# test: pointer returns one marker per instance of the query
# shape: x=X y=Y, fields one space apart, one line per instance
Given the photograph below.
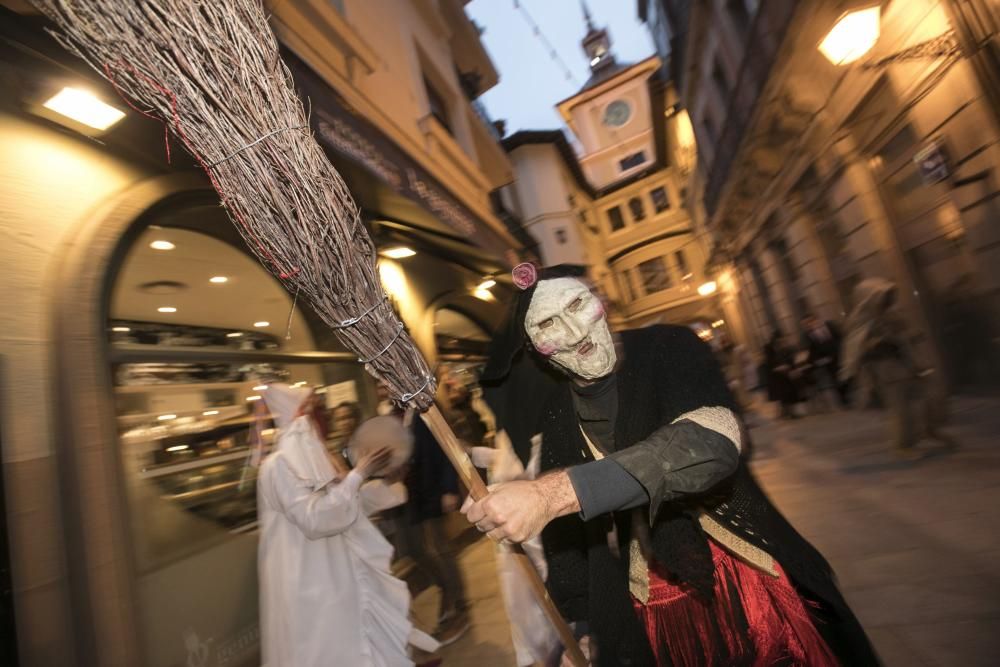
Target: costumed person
x=327 y=596
x=661 y=547
x=535 y=639
x=878 y=341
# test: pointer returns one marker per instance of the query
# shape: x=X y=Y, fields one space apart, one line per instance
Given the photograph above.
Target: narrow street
x=914 y=545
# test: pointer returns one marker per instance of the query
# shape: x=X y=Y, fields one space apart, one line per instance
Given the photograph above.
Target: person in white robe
x=327 y=594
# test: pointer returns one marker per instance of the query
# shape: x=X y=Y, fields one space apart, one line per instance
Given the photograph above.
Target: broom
x=211 y=72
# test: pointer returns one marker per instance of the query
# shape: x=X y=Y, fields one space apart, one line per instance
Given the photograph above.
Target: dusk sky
x=531 y=82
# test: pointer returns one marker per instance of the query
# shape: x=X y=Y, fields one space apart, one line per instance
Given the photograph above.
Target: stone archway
x=100 y=568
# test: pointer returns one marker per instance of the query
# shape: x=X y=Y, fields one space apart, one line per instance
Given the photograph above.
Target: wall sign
x=932 y=162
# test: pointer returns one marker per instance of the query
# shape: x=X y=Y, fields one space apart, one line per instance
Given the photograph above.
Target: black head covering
x=516 y=381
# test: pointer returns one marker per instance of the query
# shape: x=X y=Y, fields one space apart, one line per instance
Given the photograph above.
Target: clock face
x=617 y=113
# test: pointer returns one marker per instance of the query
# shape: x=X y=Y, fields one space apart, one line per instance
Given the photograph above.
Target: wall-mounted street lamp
x=852 y=36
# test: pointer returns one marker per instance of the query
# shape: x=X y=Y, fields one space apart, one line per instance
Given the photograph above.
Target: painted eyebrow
x=582 y=294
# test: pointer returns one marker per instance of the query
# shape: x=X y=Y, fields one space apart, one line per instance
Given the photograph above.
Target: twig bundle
x=211 y=72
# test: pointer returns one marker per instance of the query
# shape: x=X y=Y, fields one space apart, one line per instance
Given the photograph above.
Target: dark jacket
x=430 y=475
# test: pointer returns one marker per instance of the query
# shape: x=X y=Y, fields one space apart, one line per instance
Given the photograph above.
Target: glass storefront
x=196 y=329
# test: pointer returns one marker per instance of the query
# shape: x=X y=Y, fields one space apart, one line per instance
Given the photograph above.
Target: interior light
x=262 y=324
x=707 y=288
x=852 y=36
x=253 y=398
x=85 y=108
x=300 y=383
x=166 y=418
x=120 y=329
x=483 y=294
x=486 y=284
x=177 y=448
x=218 y=279
x=166 y=309
x=209 y=413
x=398 y=252
x=235 y=334
x=718 y=323
x=162 y=245
x=260 y=387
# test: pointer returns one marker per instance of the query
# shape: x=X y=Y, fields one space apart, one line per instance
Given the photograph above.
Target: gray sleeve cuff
x=604 y=486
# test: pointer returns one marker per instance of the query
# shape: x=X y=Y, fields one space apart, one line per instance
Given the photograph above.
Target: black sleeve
x=678 y=460
x=604 y=486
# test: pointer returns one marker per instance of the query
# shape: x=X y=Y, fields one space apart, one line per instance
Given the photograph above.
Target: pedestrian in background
x=879 y=343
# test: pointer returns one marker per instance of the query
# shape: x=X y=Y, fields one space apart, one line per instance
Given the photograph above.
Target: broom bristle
x=211 y=71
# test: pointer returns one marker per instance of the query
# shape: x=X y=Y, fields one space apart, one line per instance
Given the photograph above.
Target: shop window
x=682 y=264
x=637 y=209
x=654 y=276
x=661 y=202
x=561 y=236
x=632 y=161
x=196 y=330
x=438 y=105
x=615 y=218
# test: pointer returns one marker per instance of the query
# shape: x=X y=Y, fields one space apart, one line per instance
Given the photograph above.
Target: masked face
x=566 y=323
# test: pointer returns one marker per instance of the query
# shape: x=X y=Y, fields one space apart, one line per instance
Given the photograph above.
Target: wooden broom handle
x=459 y=458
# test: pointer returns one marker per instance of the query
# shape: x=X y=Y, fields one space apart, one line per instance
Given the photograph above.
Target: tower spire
x=586 y=16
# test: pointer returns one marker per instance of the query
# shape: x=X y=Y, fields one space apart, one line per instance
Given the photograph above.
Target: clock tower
x=611 y=115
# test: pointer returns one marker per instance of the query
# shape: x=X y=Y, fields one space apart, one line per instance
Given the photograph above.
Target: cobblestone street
x=914 y=544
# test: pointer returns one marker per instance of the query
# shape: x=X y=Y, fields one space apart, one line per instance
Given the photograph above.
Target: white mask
x=566 y=323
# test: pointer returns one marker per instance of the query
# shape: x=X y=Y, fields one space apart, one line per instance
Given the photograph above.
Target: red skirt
x=753 y=619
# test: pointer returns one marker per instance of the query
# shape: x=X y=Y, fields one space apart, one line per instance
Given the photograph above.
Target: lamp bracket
x=942 y=46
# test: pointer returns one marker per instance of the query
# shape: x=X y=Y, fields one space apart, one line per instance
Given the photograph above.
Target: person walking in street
x=783 y=386
x=878 y=342
x=822 y=341
x=432 y=493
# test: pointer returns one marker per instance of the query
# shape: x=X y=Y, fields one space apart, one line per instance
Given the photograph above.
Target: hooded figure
x=327 y=596
x=660 y=546
x=877 y=341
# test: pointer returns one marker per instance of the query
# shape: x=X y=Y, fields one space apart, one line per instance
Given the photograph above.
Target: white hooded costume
x=327 y=596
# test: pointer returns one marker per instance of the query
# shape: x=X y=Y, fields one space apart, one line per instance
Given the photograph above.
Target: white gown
x=326 y=592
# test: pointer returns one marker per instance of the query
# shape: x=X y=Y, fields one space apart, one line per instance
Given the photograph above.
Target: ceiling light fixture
x=209 y=413
x=160 y=244
x=166 y=309
x=177 y=448
x=166 y=418
x=398 y=252
x=486 y=284
x=84 y=107
x=262 y=324
x=218 y=280
x=707 y=288
x=253 y=398
x=234 y=334
x=120 y=329
x=260 y=387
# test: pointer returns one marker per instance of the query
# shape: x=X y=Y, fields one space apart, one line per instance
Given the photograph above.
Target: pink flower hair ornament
x=525 y=275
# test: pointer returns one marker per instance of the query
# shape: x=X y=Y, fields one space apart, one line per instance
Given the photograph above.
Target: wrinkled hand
x=511 y=512
x=517 y=511
x=449 y=502
x=373 y=461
